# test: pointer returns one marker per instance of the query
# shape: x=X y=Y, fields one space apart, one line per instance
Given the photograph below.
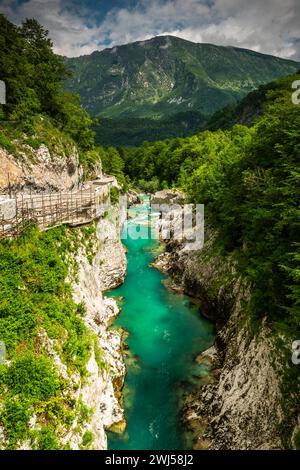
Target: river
x=166 y=332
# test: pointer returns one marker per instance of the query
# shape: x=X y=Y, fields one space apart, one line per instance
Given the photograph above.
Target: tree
x=15 y=69
x=49 y=69
x=75 y=120
x=34 y=77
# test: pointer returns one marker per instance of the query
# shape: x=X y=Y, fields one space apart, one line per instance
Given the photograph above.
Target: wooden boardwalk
x=47 y=210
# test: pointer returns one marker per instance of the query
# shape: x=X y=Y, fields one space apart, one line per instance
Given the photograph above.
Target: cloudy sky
x=80 y=27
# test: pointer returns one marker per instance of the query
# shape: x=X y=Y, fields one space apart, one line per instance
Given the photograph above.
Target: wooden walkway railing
x=75 y=207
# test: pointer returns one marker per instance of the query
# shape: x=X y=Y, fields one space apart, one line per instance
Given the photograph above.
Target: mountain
x=252 y=106
x=166 y=86
x=166 y=75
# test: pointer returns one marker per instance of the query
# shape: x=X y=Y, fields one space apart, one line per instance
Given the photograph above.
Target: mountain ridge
x=166 y=75
x=172 y=37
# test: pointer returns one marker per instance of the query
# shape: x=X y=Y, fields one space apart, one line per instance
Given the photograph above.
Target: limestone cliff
x=97 y=262
x=101 y=390
x=39 y=170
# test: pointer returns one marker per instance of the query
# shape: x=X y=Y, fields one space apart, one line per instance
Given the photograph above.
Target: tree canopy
x=34 y=76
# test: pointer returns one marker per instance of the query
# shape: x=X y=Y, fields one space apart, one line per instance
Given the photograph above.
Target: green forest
x=245 y=168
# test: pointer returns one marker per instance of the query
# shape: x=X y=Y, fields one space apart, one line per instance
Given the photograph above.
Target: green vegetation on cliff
x=38 y=320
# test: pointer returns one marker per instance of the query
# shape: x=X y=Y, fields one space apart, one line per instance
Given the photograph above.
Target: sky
x=80 y=27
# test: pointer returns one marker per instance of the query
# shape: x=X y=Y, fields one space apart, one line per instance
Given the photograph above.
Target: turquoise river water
x=166 y=332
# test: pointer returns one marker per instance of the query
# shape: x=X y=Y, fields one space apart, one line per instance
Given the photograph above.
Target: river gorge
x=165 y=333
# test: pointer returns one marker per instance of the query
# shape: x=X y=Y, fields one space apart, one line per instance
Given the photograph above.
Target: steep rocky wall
x=41 y=171
x=237 y=402
x=238 y=406
x=101 y=390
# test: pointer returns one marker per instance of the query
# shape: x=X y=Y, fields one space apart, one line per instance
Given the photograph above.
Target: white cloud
x=69 y=31
x=151 y=18
x=269 y=26
x=266 y=26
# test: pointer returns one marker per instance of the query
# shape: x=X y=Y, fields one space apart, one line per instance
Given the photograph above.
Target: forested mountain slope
x=166 y=75
x=165 y=87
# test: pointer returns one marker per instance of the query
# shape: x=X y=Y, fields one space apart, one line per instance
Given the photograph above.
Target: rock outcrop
x=41 y=172
x=133 y=198
x=240 y=407
x=101 y=391
x=168 y=196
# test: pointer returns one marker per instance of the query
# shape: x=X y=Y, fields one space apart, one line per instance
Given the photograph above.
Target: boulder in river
x=168 y=196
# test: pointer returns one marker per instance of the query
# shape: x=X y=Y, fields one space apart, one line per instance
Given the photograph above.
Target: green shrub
x=87 y=439
x=2 y=113
x=114 y=195
x=15 y=417
x=46 y=439
x=34 y=143
x=84 y=412
x=28 y=125
x=33 y=377
x=81 y=309
x=297 y=440
x=6 y=143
